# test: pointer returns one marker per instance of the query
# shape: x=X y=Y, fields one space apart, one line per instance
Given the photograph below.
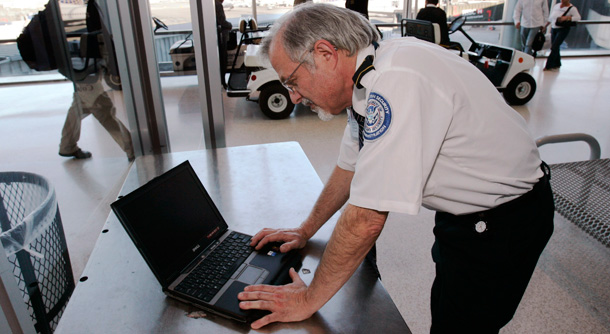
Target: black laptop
x=187 y=244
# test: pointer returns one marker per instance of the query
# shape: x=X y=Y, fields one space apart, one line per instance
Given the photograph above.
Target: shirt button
x=480 y=227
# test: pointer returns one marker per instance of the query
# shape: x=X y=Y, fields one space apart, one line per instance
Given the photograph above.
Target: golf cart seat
x=252 y=58
x=424 y=30
x=427 y=31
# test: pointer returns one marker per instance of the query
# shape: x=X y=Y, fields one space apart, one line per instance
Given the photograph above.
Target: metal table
x=257 y=186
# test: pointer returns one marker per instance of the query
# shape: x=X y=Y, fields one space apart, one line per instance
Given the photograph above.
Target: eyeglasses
x=285 y=83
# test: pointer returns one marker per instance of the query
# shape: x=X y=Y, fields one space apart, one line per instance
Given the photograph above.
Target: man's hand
x=518 y=25
x=292 y=238
x=287 y=303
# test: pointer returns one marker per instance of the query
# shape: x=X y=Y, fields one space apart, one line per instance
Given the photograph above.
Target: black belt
x=506 y=208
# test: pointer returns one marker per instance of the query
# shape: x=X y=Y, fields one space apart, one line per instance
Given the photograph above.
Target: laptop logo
x=211 y=234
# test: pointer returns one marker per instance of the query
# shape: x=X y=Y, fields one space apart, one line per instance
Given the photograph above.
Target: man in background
x=360 y=6
x=530 y=16
x=435 y=15
x=223 y=28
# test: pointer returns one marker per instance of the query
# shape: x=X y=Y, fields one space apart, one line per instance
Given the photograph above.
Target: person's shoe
x=78 y=154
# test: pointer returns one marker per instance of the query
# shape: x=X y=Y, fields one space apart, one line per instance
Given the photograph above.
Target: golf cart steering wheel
x=457 y=24
x=159 y=24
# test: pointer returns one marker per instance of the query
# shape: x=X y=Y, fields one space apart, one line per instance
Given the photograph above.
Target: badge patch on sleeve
x=378 y=117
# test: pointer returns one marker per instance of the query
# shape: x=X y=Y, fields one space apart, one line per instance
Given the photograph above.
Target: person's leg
x=529 y=41
x=70 y=133
x=105 y=112
x=557 y=38
x=481 y=277
x=561 y=37
x=223 y=54
x=523 y=32
x=551 y=59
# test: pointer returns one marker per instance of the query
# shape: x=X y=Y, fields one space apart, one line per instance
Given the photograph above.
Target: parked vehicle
x=256 y=76
x=507 y=68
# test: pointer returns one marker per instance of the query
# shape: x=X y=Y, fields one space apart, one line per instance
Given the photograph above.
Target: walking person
x=530 y=16
x=90 y=96
x=562 y=17
x=223 y=28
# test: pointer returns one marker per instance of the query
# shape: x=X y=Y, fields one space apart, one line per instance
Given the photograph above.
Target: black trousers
x=481 y=275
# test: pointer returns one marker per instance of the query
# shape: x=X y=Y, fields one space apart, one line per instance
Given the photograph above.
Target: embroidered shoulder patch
x=378 y=117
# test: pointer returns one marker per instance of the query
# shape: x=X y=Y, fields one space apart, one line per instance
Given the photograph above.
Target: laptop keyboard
x=214 y=271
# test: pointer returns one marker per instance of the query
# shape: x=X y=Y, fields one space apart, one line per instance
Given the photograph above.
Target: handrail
x=492 y=23
x=384 y=25
x=573 y=137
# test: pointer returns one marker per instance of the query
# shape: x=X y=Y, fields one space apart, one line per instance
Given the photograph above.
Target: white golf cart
x=257 y=76
x=505 y=67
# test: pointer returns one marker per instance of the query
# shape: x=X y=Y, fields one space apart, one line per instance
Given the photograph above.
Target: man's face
x=316 y=87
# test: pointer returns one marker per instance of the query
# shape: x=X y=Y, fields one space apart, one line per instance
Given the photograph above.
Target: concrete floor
x=573 y=100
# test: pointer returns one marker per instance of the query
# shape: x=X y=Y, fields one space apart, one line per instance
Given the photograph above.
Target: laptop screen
x=171 y=219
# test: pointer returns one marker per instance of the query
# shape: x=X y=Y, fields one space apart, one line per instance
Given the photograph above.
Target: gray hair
x=310 y=22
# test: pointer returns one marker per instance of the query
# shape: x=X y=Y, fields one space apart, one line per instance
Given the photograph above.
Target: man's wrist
x=304 y=231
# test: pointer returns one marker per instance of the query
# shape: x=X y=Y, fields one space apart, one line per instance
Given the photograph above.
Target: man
x=223 y=28
x=530 y=16
x=435 y=15
x=425 y=127
x=90 y=96
x=360 y=6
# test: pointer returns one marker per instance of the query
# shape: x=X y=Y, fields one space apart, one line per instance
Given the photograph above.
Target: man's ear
x=323 y=48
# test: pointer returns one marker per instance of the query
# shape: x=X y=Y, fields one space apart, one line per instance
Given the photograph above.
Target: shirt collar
x=363 y=65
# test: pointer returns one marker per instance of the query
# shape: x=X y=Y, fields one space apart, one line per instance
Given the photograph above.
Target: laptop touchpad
x=250 y=275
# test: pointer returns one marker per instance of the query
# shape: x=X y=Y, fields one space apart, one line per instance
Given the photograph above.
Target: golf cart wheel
x=275 y=102
x=520 y=89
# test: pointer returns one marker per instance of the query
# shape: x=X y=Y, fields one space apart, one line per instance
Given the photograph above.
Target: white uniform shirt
x=557 y=11
x=439 y=135
x=531 y=13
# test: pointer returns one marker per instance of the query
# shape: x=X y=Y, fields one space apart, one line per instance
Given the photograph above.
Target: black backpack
x=35 y=45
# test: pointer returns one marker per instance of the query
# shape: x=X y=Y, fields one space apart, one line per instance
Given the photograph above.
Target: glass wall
x=66 y=47
x=173 y=40
x=488 y=21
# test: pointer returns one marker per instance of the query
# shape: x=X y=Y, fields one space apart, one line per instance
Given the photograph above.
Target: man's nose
x=295 y=97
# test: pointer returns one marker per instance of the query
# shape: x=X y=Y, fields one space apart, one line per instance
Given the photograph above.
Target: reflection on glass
x=14 y=16
x=173 y=39
x=94 y=71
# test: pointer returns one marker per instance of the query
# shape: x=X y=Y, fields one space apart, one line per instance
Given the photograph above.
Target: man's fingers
x=278 y=236
x=263 y=321
x=288 y=246
x=257 y=304
x=261 y=287
x=260 y=235
x=295 y=276
x=256 y=292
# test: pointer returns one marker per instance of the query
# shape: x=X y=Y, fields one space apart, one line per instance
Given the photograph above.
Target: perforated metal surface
x=33 y=237
x=582 y=195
